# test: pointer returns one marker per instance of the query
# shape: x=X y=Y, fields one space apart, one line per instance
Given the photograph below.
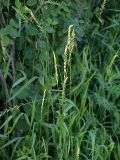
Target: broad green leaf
x=49 y=20
x=6 y=3
x=41 y=44
x=22 y=124
x=18 y=4
x=31 y=2
x=23 y=87
x=6 y=41
x=28 y=109
x=9 y=30
x=13 y=23
x=54 y=22
x=24 y=94
x=49 y=29
x=31 y=30
x=28 y=52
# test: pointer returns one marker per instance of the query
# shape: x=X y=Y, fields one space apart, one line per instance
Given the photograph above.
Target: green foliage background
x=59 y=79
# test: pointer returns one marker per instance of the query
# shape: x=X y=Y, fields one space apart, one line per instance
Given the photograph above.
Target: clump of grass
x=59 y=82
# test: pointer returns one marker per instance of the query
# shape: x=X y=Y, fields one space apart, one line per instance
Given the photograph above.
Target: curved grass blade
x=22 y=88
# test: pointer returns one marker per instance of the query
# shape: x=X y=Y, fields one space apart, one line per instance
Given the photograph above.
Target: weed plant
x=59 y=80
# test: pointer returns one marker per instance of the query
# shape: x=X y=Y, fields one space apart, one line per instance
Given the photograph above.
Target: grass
x=59 y=83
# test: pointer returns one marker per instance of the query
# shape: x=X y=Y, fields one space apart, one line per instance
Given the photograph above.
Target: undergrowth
x=59 y=80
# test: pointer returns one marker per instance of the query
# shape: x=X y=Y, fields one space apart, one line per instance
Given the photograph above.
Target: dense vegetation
x=60 y=80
